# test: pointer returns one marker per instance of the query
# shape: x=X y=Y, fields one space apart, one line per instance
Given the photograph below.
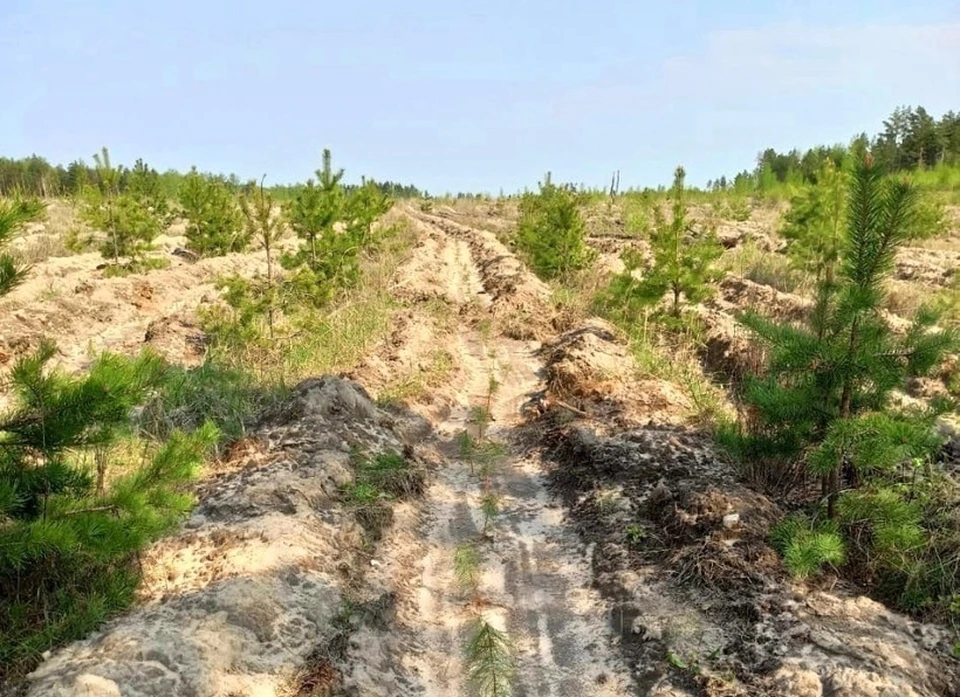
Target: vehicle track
x=536 y=579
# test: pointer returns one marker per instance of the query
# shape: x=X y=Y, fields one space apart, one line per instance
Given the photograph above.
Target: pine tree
x=214 y=224
x=823 y=405
x=814 y=224
x=335 y=227
x=262 y=223
x=551 y=233
x=127 y=218
x=316 y=209
x=326 y=253
x=364 y=206
x=67 y=536
x=683 y=260
x=489 y=657
x=14 y=214
x=142 y=183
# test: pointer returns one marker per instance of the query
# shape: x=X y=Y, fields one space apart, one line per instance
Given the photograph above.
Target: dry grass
x=418 y=383
x=39 y=247
x=767 y=268
x=904 y=298
x=333 y=340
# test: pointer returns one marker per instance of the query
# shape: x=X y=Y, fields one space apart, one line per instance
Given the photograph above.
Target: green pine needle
x=489 y=659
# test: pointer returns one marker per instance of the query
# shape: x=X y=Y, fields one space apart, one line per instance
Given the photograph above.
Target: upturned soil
x=626 y=557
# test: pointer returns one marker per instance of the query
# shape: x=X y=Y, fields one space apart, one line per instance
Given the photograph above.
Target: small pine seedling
x=489 y=658
x=480 y=416
x=467 y=447
x=489 y=507
x=466 y=567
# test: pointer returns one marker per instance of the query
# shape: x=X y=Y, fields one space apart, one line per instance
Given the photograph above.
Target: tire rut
x=536 y=574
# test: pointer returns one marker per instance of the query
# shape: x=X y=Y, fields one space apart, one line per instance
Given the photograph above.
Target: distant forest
x=911 y=139
x=35 y=176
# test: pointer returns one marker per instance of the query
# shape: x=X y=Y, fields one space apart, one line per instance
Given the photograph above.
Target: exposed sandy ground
x=68 y=299
x=273 y=589
x=536 y=574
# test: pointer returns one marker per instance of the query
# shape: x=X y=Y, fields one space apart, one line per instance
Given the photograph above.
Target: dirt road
x=535 y=582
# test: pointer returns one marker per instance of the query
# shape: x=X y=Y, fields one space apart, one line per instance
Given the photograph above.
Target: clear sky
x=464 y=95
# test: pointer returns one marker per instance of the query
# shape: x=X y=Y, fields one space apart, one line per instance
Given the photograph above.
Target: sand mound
x=253 y=584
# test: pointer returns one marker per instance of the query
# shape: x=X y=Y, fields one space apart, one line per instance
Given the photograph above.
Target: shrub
x=823 y=405
x=214 y=224
x=69 y=532
x=143 y=184
x=551 y=234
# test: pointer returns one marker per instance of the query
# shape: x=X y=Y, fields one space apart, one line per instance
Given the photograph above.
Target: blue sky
x=464 y=95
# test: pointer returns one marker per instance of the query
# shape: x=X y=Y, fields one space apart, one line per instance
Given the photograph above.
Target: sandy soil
x=69 y=299
x=536 y=580
x=595 y=458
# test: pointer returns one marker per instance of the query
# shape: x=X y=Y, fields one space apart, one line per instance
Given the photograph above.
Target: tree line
x=35 y=176
x=911 y=139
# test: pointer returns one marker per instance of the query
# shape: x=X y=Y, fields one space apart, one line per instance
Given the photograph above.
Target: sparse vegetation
x=767 y=268
x=379 y=479
x=188 y=398
x=823 y=408
x=97 y=464
x=331 y=300
x=683 y=264
x=131 y=219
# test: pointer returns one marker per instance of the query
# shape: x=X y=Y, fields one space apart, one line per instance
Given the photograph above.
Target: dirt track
x=586 y=612
x=536 y=575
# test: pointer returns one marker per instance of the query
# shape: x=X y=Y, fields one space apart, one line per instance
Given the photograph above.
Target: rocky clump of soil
x=67 y=299
x=589 y=373
x=732 y=234
x=931 y=267
x=702 y=603
x=726 y=349
x=253 y=586
x=178 y=338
